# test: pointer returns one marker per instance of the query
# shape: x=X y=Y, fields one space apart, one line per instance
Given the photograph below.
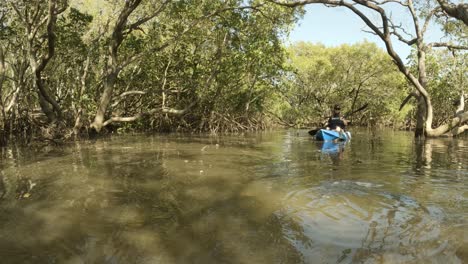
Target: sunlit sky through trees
x=335 y=26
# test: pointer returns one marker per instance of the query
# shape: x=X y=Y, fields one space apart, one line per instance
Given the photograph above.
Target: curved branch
x=388 y=1
x=455 y=126
x=122 y=95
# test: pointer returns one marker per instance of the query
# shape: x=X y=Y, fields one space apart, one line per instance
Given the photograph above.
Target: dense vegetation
x=88 y=67
x=360 y=76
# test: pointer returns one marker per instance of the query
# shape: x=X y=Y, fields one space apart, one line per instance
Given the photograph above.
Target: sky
x=338 y=25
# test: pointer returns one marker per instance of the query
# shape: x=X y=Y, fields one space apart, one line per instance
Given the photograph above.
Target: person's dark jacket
x=336 y=121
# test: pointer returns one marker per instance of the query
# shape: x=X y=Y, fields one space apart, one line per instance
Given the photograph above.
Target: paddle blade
x=313 y=132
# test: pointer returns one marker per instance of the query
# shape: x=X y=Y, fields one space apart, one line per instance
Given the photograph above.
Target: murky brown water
x=276 y=197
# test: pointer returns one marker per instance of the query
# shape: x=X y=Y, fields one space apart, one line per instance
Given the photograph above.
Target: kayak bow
x=331 y=135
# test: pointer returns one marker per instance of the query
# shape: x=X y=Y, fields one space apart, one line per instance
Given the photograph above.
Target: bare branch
x=306 y=2
x=34 y=31
x=130 y=93
x=388 y=1
x=400 y=27
x=127 y=93
x=37 y=12
x=165 y=110
x=417 y=29
x=143 y=20
x=428 y=19
x=369 y=32
x=408 y=42
x=446 y=45
x=399 y=36
x=118 y=32
x=383 y=35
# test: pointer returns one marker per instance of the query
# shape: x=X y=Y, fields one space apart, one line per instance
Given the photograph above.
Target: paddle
x=314 y=131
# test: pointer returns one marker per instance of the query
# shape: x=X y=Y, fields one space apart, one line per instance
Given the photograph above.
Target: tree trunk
x=420 y=117
x=421 y=106
x=106 y=97
x=459 y=11
x=81 y=90
x=113 y=67
x=38 y=62
x=2 y=80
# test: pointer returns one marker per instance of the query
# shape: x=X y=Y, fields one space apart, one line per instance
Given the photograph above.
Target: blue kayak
x=331 y=135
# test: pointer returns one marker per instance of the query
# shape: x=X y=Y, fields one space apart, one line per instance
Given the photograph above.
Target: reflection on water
x=276 y=197
x=359 y=222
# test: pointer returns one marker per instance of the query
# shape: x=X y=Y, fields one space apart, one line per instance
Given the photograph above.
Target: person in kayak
x=336 y=121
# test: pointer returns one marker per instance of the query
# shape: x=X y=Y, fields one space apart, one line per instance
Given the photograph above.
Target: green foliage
x=226 y=56
x=350 y=75
x=224 y=59
x=447 y=80
x=227 y=63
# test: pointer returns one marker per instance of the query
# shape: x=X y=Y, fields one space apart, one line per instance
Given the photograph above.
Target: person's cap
x=337 y=107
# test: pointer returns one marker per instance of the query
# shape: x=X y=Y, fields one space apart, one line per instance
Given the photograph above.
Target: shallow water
x=274 y=197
